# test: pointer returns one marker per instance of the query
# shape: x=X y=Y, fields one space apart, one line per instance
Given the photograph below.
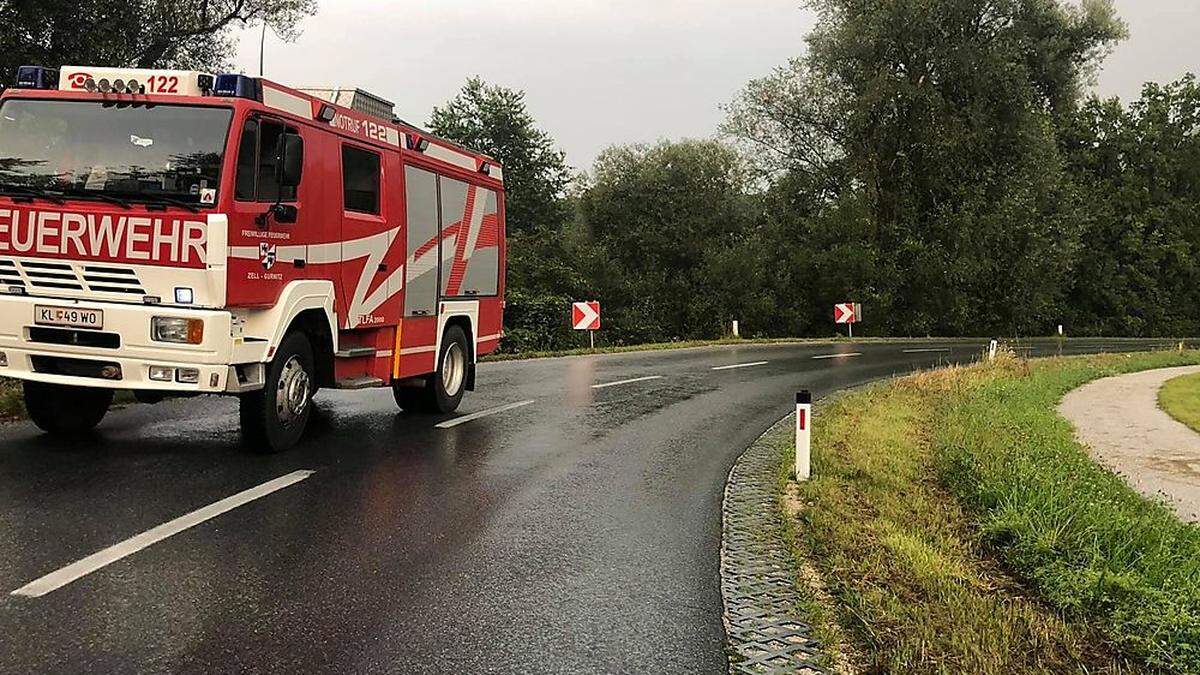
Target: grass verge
x=12 y=405
x=1180 y=398
x=957 y=526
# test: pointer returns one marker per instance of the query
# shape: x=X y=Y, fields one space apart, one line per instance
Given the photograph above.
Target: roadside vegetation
x=1180 y=398
x=11 y=403
x=957 y=526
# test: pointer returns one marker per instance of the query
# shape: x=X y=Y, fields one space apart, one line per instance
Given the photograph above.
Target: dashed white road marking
x=77 y=570
x=635 y=380
x=926 y=351
x=847 y=355
x=741 y=365
x=448 y=424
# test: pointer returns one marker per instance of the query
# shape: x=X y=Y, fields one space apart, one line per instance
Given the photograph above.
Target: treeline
x=936 y=161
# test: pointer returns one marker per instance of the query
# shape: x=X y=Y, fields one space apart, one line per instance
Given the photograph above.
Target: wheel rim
x=291 y=400
x=454 y=366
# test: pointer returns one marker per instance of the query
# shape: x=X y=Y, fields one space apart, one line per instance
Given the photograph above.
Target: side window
x=421 y=230
x=360 y=180
x=247 y=161
x=258 y=153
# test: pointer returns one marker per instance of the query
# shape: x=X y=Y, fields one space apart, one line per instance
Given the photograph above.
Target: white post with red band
x=803 y=436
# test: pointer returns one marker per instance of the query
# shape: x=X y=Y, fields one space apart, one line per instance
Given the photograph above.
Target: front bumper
x=31 y=357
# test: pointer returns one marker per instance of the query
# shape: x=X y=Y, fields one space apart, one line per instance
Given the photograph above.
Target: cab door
x=372 y=251
x=280 y=249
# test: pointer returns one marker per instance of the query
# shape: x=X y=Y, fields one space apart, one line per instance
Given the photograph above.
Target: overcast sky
x=600 y=72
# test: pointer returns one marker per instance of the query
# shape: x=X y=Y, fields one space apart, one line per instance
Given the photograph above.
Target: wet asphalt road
x=579 y=533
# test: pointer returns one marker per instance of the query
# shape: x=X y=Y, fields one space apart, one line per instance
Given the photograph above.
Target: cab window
x=257 y=156
x=360 y=180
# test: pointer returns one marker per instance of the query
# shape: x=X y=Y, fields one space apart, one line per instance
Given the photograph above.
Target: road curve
x=573 y=528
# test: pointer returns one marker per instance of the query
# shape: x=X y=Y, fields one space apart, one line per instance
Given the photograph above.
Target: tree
x=670 y=222
x=936 y=121
x=192 y=34
x=1137 y=170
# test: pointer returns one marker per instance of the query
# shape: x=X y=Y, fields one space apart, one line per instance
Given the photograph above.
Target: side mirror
x=285 y=213
x=289 y=164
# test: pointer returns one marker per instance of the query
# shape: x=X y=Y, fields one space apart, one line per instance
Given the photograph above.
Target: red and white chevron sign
x=585 y=315
x=847 y=312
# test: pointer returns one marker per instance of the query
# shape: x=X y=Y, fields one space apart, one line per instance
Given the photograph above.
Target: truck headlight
x=177 y=330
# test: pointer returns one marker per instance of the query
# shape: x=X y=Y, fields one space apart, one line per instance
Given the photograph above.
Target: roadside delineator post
x=992 y=347
x=736 y=329
x=803 y=435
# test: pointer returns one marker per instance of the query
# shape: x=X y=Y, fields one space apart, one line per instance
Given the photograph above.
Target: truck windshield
x=106 y=150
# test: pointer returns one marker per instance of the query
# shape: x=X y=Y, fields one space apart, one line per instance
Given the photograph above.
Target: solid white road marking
x=482 y=413
x=741 y=365
x=57 y=579
x=633 y=381
x=925 y=351
x=838 y=356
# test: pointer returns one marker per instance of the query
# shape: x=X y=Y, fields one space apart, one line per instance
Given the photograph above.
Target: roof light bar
x=37 y=77
x=239 y=86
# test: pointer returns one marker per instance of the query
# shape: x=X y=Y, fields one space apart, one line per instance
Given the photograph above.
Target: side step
x=355 y=352
x=360 y=382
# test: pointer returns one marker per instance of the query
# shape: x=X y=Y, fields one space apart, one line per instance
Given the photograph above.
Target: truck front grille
x=51 y=275
x=54 y=276
x=112 y=280
x=9 y=274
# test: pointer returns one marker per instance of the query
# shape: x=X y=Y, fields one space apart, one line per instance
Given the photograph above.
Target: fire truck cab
x=181 y=233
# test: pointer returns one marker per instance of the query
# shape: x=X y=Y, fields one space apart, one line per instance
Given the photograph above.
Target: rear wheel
x=443 y=390
x=66 y=411
x=274 y=417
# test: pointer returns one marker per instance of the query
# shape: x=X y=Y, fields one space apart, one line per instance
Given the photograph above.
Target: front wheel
x=62 y=410
x=443 y=390
x=274 y=418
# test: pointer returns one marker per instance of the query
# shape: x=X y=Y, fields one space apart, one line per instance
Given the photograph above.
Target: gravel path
x=1118 y=418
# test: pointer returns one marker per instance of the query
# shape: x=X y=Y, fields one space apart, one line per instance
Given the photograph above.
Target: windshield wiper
x=9 y=190
x=98 y=196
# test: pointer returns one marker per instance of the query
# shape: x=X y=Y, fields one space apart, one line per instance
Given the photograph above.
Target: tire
x=61 y=410
x=274 y=418
x=443 y=390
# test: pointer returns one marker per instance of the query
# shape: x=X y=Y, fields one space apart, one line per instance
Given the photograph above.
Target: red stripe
x=459 y=268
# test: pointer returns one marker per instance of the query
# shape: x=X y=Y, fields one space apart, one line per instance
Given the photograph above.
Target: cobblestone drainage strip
x=764 y=631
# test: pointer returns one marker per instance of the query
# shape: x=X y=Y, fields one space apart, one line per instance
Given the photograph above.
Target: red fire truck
x=181 y=233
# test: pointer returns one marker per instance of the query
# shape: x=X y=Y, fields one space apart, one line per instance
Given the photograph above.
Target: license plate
x=68 y=316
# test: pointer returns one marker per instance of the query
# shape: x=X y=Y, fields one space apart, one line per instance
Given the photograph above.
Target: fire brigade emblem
x=266 y=255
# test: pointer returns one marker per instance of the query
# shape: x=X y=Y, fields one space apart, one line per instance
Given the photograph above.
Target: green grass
x=960 y=528
x=1180 y=398
x=11 y=403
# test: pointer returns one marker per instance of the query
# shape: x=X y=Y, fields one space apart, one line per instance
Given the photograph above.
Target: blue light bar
x=241 y=86
x=37 y=77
